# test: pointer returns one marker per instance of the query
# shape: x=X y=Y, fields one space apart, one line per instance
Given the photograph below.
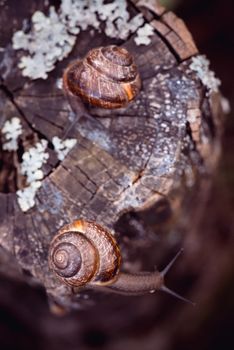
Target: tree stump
x=143 y=171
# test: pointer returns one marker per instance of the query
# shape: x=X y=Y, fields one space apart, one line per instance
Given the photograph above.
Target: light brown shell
x=107 y=77
x=84 y=252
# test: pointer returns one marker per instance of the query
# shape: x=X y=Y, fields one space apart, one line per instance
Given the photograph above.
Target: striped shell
x=107 y=77
x=83 y=252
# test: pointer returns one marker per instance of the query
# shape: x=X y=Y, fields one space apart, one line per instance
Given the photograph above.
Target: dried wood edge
x=209 y=152
x=183 y=44
x=175 y=32
x=173 y=29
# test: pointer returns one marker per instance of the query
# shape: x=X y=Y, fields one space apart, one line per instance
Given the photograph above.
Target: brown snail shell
x=84 y=252
x=107 y=77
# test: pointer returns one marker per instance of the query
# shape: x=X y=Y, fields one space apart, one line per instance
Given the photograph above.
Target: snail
x=84 y=254
x=106 y=77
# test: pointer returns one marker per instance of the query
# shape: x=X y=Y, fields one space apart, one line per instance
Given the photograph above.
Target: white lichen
x=143 y=35
x=117 y=18
x=31 y=168
x=47 y=42
x=62 y=147
x=26 y=196
x=200 y=64
x=11 y=130
x=33 y=160
x=31 y=165
x=52 y=37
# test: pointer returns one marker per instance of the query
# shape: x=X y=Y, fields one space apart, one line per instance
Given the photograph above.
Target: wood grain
x=125 y=161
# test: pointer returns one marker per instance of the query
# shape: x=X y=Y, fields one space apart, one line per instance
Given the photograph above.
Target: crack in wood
x=30 y=126
x=79 y=182
x=86 y=175
x=94 y=155
x=48 y=121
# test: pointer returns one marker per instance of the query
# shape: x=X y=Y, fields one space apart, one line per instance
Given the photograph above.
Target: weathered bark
x=143 y=171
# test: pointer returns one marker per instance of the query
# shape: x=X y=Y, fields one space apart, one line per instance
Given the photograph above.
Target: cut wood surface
x=142 y=171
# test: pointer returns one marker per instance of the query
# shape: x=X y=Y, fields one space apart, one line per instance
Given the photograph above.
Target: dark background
x=212 y=26
x=25 y=321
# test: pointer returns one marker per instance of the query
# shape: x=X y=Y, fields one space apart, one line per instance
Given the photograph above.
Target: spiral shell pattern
x=84 y=252
x=107 y=77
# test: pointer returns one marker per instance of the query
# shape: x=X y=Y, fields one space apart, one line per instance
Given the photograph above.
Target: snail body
x=84 y=254
x=107 y=77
